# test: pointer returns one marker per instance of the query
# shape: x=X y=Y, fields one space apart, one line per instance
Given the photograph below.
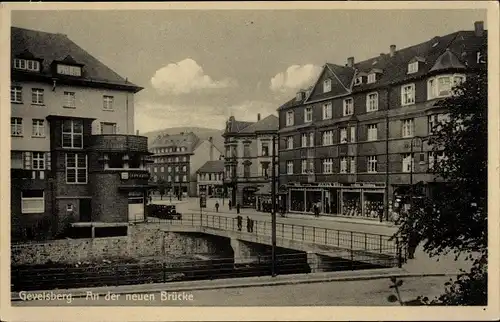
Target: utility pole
x=273 y=205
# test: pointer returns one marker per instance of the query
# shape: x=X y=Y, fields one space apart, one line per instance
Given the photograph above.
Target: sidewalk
x=245 y=282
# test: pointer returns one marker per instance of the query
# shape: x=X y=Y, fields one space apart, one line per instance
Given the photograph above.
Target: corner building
x=74 y=158
x=248 y=158
x=355 y=141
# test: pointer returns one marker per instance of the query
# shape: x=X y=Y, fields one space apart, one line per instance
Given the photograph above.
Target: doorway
x=85 y=210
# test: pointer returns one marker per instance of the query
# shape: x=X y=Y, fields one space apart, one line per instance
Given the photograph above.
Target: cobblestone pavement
x=338 y=293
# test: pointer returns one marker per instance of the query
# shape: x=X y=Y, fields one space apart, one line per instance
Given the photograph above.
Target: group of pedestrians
x=250 y=223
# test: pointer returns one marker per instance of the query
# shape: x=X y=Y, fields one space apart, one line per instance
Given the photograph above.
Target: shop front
x=248 y=197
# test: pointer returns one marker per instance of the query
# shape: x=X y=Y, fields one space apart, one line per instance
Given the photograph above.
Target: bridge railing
x=350 y=240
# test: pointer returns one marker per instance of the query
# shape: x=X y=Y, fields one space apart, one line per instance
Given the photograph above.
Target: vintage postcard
x=249 y=161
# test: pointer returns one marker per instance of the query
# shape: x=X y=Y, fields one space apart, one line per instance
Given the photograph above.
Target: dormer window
x=372 y=78
x=413 y=67
x=298 y=98
x=64 y=69
x=27 y=64
x=327 y=85
x=358 y=81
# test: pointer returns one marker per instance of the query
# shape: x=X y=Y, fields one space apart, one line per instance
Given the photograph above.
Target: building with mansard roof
x=356 y=141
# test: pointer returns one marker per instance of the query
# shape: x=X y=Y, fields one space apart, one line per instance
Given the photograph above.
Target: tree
x=162 y=187
x=454 y=218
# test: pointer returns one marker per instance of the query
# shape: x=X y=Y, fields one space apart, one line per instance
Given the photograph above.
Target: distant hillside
x=201 y=132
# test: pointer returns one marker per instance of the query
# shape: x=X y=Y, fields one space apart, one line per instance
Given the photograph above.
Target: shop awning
x=138 y=187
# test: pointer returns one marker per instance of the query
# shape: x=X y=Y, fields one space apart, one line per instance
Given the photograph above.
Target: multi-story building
x=74 y=156
x=211 y=179
x=176 y=159
x=355 y=141
x=248 y=157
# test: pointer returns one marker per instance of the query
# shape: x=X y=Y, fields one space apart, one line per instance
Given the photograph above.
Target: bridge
x=325 y=247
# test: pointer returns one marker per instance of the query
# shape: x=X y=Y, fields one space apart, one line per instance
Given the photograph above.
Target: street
x=339 y=293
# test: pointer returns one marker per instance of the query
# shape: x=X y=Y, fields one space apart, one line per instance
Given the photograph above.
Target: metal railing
x=349 y=240
x=66 y=276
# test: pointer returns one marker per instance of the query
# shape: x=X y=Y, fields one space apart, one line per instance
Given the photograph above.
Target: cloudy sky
x=199 y=67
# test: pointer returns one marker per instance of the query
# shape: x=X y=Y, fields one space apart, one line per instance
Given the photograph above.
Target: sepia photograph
x=185 y=157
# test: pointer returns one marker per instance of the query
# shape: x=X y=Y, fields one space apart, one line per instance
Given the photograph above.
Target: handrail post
x=282 y=230
x=351 y=242
x=219 y=222
x=293 y=226
x=303 y=228
x=398 y=249
x=226 y=223
x=326 y=236
x=366 y=248
x=380 y=244
x=338 y=238
x=314 y=234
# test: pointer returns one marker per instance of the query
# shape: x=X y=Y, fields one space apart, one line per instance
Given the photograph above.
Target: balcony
x=119 y=143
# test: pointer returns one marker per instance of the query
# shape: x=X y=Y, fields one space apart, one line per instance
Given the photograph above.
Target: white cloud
x=295 y=77
x=155 y=116
x=185 y=77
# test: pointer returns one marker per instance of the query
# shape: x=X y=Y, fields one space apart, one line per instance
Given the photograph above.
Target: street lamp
x=273 y=206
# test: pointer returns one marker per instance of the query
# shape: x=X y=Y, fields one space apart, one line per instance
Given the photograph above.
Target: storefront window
x=296 y=200
x=373 y=205
x=351 y=201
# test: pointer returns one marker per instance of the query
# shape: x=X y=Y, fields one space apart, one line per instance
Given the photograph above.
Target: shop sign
x=329 y=184
x=138 y=175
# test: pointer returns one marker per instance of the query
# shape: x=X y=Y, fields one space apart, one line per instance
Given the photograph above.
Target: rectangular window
x=16 y=94
x=289 y=167
x=107 y=103
x=72 y=134
x=69 y=70
x=311 y=166
x=16 y=160
x=162 y=169
x=304 y=166
x=408 y=128
x=413 y=67
x=311 y=139
x=108 y=128
x=348 y=106
x=169 y=169
x=327 y=111
x=352 y=164
x=328 y=166
x=246 y=151
x=407 y=94
x=327 y=85
x=176 y=178
x=372 y=102
x=69 y=99
x=76 y=168
x=20 y=63
x=372 y=132
x=304 y=140
x=32 y=201
x=353 y=134
x=372 y=164
x=408 y=162
x=328 y=138
x=184 y=168
x=30 y=65
x=372 y=78
x=289 y=142
x=308 y=114
x=265 y=149
x=37 y=96
x=343 y=135
x=343 y=165
x=246 y=170
x=38 y=161
x=38 y=128
x=184 y=178
x=289 y=118
x=435 y=156
x=16 y=126
x=169 y=178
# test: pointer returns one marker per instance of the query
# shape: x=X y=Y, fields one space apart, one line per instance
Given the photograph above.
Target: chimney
x=258 y=117
x=479 y=28
x=350 y=61
x=392 y=50
x=211 y=151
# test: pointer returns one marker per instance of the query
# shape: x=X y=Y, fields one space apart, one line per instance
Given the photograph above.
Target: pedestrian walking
x=229 y=204
x=251 y=225
x=237 y=208
x=248 y=224
x=413 y=241
x=240 y=222
x=217 y=206
x=316 y=211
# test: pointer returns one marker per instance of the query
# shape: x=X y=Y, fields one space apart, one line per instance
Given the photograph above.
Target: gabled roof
x=187 y=140
x=453 y=51
x=51 y=47
x=269 y=123
x=234 y=126
x=212 y=167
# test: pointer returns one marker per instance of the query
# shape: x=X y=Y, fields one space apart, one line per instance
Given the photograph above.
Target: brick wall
x=142 y=241
x=108 y=203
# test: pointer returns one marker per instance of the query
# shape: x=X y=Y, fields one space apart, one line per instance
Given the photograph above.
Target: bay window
x=442 y=86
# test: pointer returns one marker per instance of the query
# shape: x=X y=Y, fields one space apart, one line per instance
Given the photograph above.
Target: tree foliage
x=454 y=216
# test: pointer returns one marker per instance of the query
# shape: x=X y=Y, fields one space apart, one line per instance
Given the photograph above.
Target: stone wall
x=142 y=241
